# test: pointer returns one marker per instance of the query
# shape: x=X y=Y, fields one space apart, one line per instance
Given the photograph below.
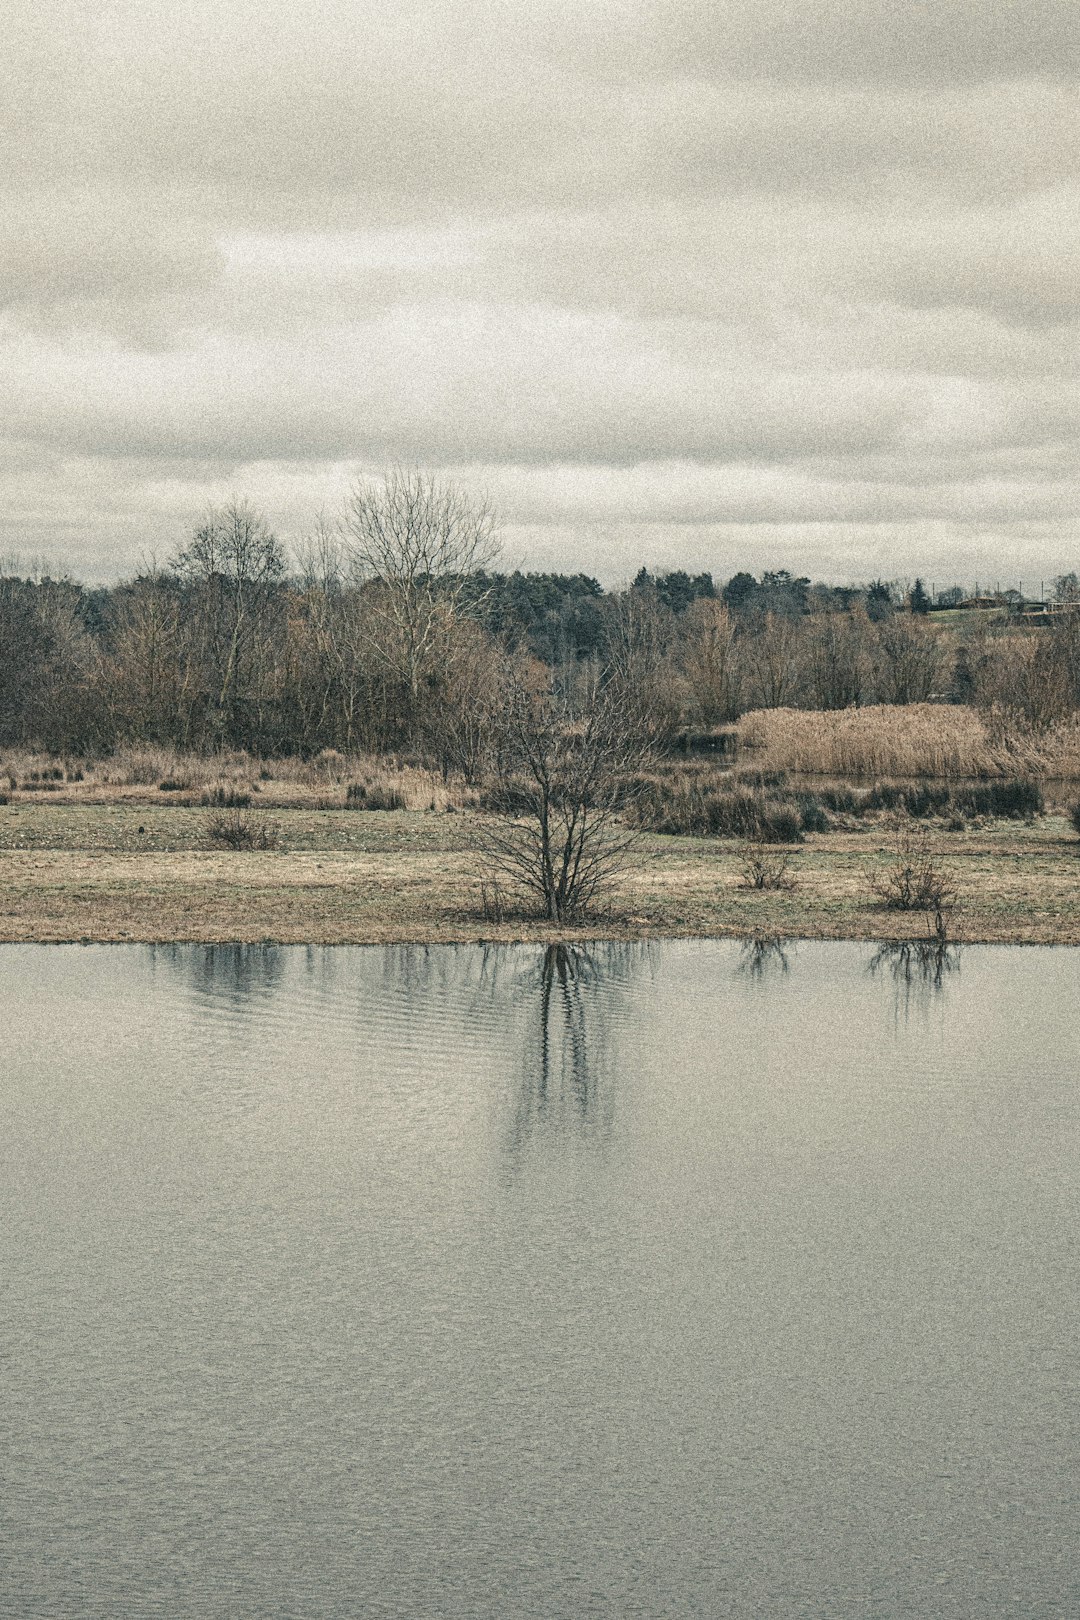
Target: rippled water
x=683 y=1280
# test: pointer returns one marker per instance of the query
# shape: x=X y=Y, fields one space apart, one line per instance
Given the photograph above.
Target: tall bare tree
x=774 y=646
x=232 y=566
x=710 y=660
x=416 y=539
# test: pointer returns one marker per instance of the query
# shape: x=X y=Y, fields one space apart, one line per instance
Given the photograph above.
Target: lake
x=688 y=1279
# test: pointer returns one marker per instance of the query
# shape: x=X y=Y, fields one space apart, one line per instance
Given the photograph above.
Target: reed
x=943 y=741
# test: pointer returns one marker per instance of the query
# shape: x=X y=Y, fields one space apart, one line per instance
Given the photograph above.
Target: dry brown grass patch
x=913 y=740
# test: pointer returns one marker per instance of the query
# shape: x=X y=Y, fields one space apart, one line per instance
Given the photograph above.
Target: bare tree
x=232 y=566
x=639 y=670
x=417 y=539
x=563 y=772
x=837 y=658
x=774 y=648
x=909 y=659
x=140 y=676
x=710 y=660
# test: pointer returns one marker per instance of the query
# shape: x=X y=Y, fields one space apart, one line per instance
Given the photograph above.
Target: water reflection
x=919 y=968
x=565 y=1077
x=229 y=974
x=764 y=955
x=917 y=962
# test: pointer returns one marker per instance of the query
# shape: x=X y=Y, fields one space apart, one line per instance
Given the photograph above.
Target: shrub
x=883 y=796
x=764 y=868
x=1016 y=800
x=226 y=798
x=228 y=829
x=374 y=796
x=1074 y=816
x=5 y=798
x=812 y=815
x=689 y=807
x=761 y=779
x=779 y=824
x=915 y=880
x=173 y=784
x=925 y=800
x=75 y=776
x=842 y=800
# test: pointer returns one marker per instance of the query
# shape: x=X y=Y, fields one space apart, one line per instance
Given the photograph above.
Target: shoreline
x=139 y=873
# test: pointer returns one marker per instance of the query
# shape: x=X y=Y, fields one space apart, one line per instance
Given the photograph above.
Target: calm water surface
x=683 y=1280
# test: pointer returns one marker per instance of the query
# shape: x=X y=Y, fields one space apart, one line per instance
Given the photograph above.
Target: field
x=139 y=869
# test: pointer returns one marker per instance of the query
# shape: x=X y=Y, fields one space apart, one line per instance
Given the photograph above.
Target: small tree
x=562 y=772
x=919 y=598
x=879 y=601
x=915 y=880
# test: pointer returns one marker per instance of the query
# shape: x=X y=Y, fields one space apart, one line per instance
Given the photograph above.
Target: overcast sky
x=772 y=283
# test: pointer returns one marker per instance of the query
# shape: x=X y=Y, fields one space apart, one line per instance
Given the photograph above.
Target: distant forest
x=365 y=641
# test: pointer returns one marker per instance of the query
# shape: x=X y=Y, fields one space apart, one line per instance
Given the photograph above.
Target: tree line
x=391 y=629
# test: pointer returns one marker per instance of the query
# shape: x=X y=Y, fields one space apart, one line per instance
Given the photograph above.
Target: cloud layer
x=737 y=287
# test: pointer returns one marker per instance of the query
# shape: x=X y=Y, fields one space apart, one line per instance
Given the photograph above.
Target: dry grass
x=919 y=739
x=154 y=775
x=133 y=870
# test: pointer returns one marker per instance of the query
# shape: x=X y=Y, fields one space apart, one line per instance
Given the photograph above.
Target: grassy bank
x=81 y=866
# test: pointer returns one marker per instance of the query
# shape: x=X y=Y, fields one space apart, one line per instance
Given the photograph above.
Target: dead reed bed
x=235 y=778
x=916 y=740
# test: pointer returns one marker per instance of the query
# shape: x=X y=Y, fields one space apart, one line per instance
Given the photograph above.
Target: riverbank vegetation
x=388 y=629
x=387 y=670
x=137 y=867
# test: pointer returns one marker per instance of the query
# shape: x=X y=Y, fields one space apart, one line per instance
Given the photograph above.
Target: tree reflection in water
x=917 y=962
x=764 y=954
x=918 y=967
x=564 y=1085
x=229 y=974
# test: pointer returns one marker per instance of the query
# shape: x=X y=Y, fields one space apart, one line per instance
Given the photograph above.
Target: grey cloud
x=924 y=42
x=658 y=268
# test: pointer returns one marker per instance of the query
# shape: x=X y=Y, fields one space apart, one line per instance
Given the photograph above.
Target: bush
x=842 y=801
x=226 y=798
x=374 y=796
x=231 y=830
x=915 y=880
x=779 y=824
x=812 y=815
x=172 y=784
x=925 y=800
x=688 y=807
x=761 y=779
x=1074 y=816
x=1018 y=800
x=884 y=796
x=5 y=798
x=764 y=868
